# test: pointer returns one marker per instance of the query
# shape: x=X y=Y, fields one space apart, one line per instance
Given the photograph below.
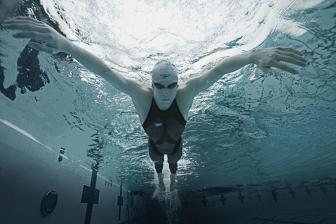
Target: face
x=164 y=89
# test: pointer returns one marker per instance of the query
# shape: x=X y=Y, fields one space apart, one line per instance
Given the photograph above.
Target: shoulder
x=142 y=102
x=184 y=94
x=184 y=100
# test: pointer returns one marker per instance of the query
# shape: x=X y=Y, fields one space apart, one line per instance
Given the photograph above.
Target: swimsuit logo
x=158 y=124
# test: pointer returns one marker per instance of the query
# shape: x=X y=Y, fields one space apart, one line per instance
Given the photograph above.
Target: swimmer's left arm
x=263 y=58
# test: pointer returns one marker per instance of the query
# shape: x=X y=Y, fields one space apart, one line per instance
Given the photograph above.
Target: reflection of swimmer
x=163 y=107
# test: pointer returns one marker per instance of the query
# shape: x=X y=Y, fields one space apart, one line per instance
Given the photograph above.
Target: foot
x=172 y=182
x=161 y=183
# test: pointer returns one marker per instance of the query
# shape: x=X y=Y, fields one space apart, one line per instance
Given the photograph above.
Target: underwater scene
x=154 y=111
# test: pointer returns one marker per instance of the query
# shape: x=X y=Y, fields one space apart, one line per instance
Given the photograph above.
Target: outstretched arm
x=50 y=41
x=263 y=58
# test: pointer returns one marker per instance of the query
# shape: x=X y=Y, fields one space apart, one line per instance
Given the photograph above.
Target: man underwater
x=162 y=108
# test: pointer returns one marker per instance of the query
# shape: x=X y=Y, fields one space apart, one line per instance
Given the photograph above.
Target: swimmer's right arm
x=50 y=41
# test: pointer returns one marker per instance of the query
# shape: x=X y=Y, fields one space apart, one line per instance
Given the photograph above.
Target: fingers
x=284 y=67
x=20 y=26
x=291 y=59
x=289 y=55
x=22 y=19
x=25 y=23
x=29 y=27
x=34 y=35
x=41 y=47
x=267 y=58
x=287 y=49
x=292 y=55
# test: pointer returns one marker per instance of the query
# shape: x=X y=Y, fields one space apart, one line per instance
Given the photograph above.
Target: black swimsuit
x=164 y=126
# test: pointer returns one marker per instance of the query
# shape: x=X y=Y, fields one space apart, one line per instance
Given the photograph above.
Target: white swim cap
x=163 y=68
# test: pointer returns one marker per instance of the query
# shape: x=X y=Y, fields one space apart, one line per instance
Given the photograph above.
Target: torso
x=143 y=105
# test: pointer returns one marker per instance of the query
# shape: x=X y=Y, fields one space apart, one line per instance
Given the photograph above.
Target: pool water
x=249 y=132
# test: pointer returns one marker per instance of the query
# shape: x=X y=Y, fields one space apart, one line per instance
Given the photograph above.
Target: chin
x=167 y=103
x=164 y=107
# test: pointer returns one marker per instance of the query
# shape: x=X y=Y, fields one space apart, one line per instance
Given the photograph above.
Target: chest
x=164 y=126
x=143 y=106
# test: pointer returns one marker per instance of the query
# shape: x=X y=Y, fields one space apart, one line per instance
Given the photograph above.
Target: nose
x=164 y=91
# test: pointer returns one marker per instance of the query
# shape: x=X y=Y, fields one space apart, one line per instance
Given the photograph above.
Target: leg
x=156 y=157
x=172 y=160
x=174 y=157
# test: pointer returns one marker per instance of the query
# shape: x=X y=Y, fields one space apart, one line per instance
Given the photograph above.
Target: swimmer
x=162 y=108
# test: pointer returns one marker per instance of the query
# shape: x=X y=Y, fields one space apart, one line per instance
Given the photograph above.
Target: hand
x=45 y=37
x=273 y=57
